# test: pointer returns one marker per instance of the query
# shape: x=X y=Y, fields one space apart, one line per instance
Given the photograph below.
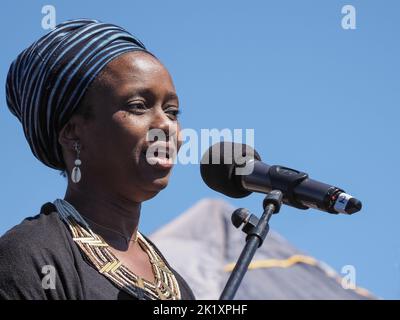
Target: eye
x=137 y=106
x=173 y=112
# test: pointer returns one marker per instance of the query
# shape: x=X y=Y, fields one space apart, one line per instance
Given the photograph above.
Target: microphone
x=223 y=164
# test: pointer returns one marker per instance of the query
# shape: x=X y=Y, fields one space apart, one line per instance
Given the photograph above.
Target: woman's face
x=133 y=95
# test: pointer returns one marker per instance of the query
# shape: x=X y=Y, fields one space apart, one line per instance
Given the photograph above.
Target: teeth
x=159 y=152
x=162 y=161
x=155 y=160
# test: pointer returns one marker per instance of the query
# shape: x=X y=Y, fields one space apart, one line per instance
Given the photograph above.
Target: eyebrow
x=149 y=94
x=172 y=95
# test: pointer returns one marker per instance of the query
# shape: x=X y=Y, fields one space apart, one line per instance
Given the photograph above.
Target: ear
x=71 y=132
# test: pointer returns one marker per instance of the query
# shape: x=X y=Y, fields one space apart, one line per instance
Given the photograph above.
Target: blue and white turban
x=48 y=79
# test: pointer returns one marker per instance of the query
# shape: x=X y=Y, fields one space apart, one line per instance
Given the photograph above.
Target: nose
x=162 y=125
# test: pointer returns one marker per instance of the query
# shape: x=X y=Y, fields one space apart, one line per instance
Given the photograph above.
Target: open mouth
x=160 y=153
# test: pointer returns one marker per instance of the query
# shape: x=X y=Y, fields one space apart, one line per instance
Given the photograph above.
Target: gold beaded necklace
x=98 y=253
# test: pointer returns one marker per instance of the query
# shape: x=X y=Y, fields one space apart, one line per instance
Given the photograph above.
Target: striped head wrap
x=46 y=82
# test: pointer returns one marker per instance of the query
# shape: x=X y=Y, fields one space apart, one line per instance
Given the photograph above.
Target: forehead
x=133 y=69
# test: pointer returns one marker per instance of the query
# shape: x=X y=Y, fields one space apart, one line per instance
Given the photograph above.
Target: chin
x=159 y=184
x=153 y=188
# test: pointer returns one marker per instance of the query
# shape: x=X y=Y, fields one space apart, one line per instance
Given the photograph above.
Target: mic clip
x=286 y=180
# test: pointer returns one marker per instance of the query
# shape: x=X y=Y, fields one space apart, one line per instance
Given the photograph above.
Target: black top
x=30 y=250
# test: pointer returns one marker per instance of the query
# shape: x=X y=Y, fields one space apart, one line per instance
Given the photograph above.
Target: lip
x=160 y=154
x=158 y=162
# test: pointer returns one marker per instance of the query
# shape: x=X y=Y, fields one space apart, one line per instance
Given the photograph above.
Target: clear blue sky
x=320 y=98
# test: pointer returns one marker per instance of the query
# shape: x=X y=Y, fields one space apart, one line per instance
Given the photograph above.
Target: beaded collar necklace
x=98 y=253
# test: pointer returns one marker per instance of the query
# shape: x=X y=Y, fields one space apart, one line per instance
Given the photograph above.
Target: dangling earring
x=76 y=171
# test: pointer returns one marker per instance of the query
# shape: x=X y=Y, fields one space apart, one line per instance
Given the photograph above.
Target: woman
x=87 y=95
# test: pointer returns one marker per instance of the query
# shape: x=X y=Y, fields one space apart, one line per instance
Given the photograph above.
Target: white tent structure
x=203 y=245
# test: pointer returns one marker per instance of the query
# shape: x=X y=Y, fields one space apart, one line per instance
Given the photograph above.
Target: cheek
x=128 y=131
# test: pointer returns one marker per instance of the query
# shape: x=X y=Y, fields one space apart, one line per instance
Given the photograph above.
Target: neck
x=114 y=217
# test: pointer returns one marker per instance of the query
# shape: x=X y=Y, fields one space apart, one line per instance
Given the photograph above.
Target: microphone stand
x=256 y=230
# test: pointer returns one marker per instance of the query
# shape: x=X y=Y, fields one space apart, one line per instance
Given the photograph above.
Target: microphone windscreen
x=218 y=167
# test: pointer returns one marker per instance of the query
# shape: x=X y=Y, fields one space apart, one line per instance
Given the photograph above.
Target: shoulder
x=44 y=232
x=28 y=251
